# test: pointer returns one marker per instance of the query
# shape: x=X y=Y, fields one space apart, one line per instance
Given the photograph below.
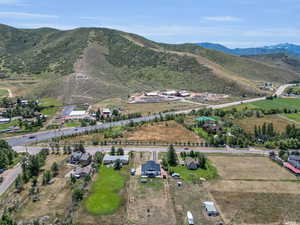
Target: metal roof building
x=151 y=169
x=210 y=209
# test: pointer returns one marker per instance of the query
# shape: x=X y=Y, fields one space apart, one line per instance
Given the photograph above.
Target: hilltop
x=88 y=64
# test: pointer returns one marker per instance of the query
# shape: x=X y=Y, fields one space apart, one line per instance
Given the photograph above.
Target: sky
x=234 y=23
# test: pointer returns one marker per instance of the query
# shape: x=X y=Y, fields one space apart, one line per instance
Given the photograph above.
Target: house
x=210 y=209
x=81 y=158
x=191 y=164
x=293 y=164
x=82 y=171
x=205 y=119
x=106 y=113
x=212 y=127
x=110 y=159
x=151 y=94
x=151 y=169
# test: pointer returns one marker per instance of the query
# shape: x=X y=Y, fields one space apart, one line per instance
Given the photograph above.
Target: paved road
x=9 y=177
x=153 y=149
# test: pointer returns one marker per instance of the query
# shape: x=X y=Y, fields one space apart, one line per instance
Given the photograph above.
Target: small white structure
x=184 y=94
x=109 y=159
x=4 y=120
x=190 y=218
x=210 y=209
x=151 y=94
x=24 y=102
x=106 y=112
x=78 y=113
x=170 y=93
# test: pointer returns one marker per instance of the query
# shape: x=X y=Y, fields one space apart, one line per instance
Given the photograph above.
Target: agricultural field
x=249 y=185
x=279 y=122
x=166 y=132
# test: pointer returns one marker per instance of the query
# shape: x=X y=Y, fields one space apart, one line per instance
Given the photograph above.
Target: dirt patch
x=167 y=132
x=249 y=167
x=258 y=208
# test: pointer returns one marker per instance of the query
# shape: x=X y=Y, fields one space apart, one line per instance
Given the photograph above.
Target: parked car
x=176 y=175
x=132 y=171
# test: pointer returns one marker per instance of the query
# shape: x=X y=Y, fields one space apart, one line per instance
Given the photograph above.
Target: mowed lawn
x=3 y=93
x=105 y=197
x=189 y=175
x=278 y=103
x=293 y=116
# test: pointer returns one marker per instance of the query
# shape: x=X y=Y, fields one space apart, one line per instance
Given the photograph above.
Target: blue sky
x=235 y=23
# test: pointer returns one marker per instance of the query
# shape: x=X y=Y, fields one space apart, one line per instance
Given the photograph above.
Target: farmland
x=248 y=186
x=293 y=116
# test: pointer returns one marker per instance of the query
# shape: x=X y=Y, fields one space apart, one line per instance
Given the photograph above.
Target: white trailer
x=190 y=218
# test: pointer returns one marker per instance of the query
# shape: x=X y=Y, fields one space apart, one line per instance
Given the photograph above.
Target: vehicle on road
x=32 y=137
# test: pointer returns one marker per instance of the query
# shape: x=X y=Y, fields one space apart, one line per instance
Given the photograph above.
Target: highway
x=47 y=135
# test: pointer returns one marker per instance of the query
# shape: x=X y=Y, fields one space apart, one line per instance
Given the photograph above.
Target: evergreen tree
x=113 y=150
x=171 y=156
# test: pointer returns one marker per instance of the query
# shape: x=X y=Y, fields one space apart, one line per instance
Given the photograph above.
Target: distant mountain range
x=286 y=48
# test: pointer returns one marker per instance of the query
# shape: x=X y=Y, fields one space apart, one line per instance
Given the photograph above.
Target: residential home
x=80 y=158
x=212 y=127
x=106 y=113
x=110 y=159
x=4 y=120
x=151 y=169
x=191 y=164
x=82 y=171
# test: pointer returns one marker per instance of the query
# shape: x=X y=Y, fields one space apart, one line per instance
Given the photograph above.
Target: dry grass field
x=254 y=190
x=167 y=132
x=54 y=198
x=249 y=167
x=278 y=122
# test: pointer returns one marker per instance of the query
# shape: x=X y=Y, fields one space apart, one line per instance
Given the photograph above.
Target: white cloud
x=24 y=15
x=222 y=19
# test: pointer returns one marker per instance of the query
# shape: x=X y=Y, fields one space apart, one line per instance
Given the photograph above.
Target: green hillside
x=88 y=64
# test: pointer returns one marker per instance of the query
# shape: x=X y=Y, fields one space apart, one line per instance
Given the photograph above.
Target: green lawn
x=50 y=111
x=7 y=125
x=72 y=123
x=200 y=132
x=189 y=175
x=104 y=197
x=50 y=102
x=3 y=93
x=293 y=116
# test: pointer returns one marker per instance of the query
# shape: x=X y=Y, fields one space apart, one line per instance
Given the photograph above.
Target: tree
x=120 y=151
x=112 y=150
x=19 y=183
x=118 y=164
x=202 y=160
x=171 y=156
x=164 y=163
x=98 y=157
x=47 y=176
x=77 y=195
x=54 y=169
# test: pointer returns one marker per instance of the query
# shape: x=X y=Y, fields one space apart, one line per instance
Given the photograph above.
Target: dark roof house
x=191 y=164
x=151 y=169
x=212 y=127
x=81 y=158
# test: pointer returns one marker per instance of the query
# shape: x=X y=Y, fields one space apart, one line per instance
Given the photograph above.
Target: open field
x=247 y=167
x=54 y=198
x=254 y=190
x=8 y=125
x=168 y=132
x=279 y=123
x=45 y=102
x=144 y=108
x=3 y=93
x=294 y=116
x=104 y=197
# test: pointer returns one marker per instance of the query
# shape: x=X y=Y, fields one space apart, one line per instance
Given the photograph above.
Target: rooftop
x=204 y=118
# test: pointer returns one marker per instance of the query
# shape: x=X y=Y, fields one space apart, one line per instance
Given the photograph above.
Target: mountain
x=288 y=49
x=279 y=60
x=89 y=64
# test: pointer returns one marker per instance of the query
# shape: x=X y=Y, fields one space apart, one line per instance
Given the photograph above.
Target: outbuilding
x=210 y=209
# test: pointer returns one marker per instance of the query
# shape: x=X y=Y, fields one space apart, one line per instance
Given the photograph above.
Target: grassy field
x=3 y=93
x=248 y=124
x=167 y=132
x=72 y=123
x=7 y=125
x=50 y=102
x=192 y=175
x=294 y=116
x=104 y=197
x=50 y=111
x=247 y=167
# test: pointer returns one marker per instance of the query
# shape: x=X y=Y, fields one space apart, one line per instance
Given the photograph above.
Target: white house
x=210 y=209
x=109 y=159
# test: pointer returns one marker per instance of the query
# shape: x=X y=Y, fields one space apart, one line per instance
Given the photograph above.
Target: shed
x=205 y=119
x=210 y=209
